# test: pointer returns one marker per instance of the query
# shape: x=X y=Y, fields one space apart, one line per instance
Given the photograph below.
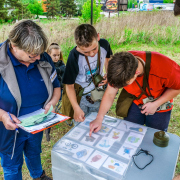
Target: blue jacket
x=10 y=84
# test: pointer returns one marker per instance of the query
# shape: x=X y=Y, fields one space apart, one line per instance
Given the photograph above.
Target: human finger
x=47 y=107
x=97 y=129
x=143 y=111
x=91 y=130
x=15 y=119
x=10 y=125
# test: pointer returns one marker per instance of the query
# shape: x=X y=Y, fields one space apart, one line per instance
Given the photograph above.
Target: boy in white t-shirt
x=77 y=69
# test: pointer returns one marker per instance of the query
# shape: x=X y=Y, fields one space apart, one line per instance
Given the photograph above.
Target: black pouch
x=123 y=103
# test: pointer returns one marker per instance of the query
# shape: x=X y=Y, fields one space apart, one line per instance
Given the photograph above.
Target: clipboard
x=33 y=129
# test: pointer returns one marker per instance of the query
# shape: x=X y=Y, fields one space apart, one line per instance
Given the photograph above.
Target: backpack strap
x=146 y=76
x=146 y=73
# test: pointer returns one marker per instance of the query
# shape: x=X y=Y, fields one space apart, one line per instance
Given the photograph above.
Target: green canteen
x=81 y=92
x=97 y=79
x=161 y=139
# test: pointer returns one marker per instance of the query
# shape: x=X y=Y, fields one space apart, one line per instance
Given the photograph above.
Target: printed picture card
x=105 y=144
x=86 y=122
x=104 y=130
x=115 y=165
x=127 y=151
x=76 y=133
x=92 y=116
x=134 y=139
x=83 y=152
x=90 y=140
x=129 y=126
x=111 y=121
x=138 y=128
x=125 y=125
x=116 y=135
x=97 y=159
x=69 y=145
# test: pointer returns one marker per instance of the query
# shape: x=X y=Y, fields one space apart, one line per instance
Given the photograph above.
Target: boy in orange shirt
x=126 y=69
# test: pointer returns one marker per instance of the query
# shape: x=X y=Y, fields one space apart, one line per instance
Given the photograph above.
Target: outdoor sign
x=146 y=7
x=112 y=5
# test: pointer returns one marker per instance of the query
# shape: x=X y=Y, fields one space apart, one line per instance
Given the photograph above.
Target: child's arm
x=106 y=104
x=78 y=113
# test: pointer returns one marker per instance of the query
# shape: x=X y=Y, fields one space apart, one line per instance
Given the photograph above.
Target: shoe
x=43 y=177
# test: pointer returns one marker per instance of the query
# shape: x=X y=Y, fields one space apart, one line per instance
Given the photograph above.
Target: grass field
x=156 y=31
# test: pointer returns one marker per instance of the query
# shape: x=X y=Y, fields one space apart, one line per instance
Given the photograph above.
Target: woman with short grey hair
x=28 y=82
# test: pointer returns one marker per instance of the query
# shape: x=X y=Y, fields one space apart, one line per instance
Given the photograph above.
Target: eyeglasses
x=88 y=98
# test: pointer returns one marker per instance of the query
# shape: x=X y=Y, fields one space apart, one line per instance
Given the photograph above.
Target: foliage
x=131 y=2
x=27 y=1
x=20 y=10
x=35 y=8
x=3 y=11
x=79 y=10
x=79 y=4
x=86 y=12
x=52 y=7
x=68 y=7
x=167 y=1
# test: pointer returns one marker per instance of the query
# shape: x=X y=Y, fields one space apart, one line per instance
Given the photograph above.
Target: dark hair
x=121 y=68
x=177 y=8
x=29 y=37
x=85 y=34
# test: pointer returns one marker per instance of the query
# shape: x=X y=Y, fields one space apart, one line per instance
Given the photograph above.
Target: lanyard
x=98 y=63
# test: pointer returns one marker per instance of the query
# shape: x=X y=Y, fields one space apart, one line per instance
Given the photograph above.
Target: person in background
x=28 y=82
x=56 y=54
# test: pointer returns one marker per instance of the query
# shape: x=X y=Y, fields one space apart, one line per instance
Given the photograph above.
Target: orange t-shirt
x=164 y=73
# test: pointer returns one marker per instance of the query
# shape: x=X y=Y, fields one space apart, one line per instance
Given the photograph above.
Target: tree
x=86 y=12
x=20 y=10
x=3 y=11
x=68 y=7
x=52 y=7
x=79 y=4
x=35 y=8
x=167 y=1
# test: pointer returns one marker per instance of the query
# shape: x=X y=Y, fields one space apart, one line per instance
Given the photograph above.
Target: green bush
x=167 y=1
x=86 y=11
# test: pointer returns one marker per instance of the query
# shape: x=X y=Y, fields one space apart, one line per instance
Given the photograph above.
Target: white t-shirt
x=77 y=69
